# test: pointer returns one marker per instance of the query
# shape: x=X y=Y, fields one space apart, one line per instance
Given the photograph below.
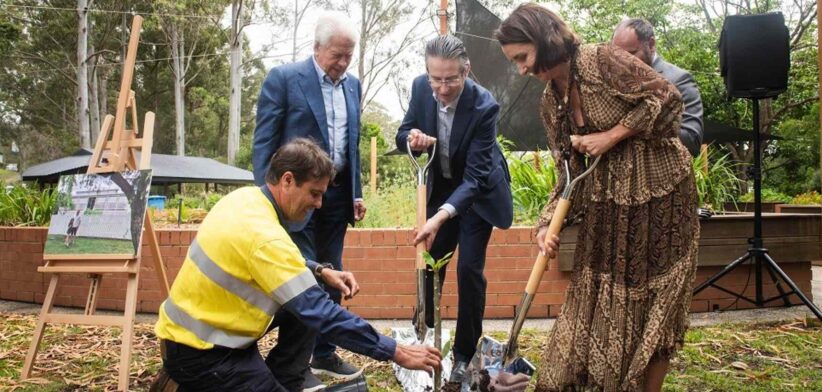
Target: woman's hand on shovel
x=550 y=247
x=418 y=357
x=430 y=229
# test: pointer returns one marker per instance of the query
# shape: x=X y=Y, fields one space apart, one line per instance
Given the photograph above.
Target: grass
x=729 y=357
x=85 y=246
x=9 y=177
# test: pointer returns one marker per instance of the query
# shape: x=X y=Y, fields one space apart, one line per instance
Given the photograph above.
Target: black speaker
x=754 y=55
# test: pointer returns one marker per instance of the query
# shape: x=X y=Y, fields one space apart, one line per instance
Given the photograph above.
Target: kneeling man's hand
x=418 y=357
x=343 y=281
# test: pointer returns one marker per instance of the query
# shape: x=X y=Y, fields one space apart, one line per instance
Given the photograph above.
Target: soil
x=485 y=380
x=451 y=387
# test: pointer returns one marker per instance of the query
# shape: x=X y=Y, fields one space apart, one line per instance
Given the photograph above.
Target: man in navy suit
x=469 y=185
x=316 y=98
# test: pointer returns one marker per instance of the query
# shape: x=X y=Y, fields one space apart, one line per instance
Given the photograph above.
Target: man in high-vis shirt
x=243 y=276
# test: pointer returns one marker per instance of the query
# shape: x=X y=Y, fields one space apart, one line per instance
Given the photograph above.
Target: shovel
x=413 y=381
x=419 y=264
x=494 y=356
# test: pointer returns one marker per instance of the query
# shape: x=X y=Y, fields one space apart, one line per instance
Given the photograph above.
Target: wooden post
x=373 y=165
x=704 y=150
x=443 y=13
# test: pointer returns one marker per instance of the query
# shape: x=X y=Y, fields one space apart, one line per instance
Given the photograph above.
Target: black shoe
x=458 y=372
x=312 y=383
x=334 y=366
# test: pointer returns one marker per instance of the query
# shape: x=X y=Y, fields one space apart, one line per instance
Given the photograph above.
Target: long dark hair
x=530 y=23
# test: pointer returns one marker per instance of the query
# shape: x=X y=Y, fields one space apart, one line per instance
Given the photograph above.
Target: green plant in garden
x=719 y=184
x=768 y=196
x=533 y=176
x=22 y=206
x=436 y=266
x=807 y=198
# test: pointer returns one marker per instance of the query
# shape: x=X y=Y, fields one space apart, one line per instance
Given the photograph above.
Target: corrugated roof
x=166 y=169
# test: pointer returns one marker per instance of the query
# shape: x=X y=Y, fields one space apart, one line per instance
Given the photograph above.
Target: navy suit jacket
x=291 y=106
x=479 y=173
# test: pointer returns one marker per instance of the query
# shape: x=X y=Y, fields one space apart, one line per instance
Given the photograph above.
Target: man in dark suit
x=636 y=36
x=317 y=99
x=469 y=185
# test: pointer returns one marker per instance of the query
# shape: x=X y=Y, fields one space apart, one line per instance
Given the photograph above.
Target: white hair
x=334 y=24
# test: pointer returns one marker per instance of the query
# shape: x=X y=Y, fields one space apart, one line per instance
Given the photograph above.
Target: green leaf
x=429 y=260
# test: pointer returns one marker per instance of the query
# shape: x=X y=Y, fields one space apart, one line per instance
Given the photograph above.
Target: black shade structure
x=717 y=132
x=166 y=169
x=518 y=96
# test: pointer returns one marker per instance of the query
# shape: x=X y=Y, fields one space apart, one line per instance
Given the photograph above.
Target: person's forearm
x=620 y=133
x=316 y=311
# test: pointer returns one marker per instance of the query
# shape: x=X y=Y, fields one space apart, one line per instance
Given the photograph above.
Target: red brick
x=394 y=313
x=538 y=311
x=364 y=311
x=389 y=237
x=494 y=312
x=148 y=306
x=381 y=252
x=353 y=253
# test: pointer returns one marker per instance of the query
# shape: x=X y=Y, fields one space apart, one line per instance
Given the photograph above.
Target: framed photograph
x=99 y=214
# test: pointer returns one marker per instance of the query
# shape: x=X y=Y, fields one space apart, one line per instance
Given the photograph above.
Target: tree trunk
x=94 y=104
x=102 y=93
x=236 y=82
x=82 y=75
x=177 y=53
x=136 y=201
x=363 y=39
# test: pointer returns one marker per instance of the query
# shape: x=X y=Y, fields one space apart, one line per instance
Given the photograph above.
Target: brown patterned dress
x=635 y=255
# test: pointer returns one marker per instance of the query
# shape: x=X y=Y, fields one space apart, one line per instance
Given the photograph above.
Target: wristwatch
x=318 y=270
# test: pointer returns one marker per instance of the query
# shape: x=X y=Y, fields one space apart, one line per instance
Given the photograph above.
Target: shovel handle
x=542 y=260
x=422 y=194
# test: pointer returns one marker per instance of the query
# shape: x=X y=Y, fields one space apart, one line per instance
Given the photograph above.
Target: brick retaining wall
x=382 y=261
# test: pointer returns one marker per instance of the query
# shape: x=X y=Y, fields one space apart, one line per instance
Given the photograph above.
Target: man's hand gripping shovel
x=496 y=358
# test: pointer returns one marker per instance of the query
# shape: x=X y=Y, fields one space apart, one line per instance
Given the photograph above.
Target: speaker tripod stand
x=757 y=254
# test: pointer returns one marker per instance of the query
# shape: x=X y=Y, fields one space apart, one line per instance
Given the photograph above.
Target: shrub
x=393 y=206
x=22 y=206
x=807 y=198
x=768 y=196
x=719 y=184
x=533 y=176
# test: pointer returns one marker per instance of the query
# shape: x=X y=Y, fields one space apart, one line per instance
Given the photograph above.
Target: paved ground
x=697 y=319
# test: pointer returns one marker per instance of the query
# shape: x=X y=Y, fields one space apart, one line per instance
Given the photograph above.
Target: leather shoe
x=458 y=372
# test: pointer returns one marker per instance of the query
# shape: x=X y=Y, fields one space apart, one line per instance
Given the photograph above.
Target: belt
x=340 y=178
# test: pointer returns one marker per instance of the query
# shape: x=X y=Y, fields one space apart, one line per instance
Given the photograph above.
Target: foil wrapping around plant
x=418 y=380
x=489 y=357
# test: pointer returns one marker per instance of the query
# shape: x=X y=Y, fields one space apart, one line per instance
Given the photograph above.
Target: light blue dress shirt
x=336 y=114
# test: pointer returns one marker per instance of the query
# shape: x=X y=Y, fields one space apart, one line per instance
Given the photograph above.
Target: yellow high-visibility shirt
x=239 y=270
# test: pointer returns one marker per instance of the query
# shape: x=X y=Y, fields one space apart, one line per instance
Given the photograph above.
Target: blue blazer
x=291 y=106
x=479 y=173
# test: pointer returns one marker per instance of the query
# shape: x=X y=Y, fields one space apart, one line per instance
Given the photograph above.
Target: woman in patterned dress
x=626 y=308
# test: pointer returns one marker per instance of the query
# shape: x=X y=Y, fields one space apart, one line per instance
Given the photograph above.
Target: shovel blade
x=490 y=356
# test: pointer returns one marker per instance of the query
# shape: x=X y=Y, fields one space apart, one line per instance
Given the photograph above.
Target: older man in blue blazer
x=317 y=99
x=469 y=185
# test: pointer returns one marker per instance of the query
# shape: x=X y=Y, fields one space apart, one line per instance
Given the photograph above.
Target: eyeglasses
x=447 y=82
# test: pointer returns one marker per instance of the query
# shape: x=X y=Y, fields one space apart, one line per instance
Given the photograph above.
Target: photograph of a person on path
x=73 y=226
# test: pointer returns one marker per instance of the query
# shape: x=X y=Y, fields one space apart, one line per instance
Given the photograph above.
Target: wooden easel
x=115 y=155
